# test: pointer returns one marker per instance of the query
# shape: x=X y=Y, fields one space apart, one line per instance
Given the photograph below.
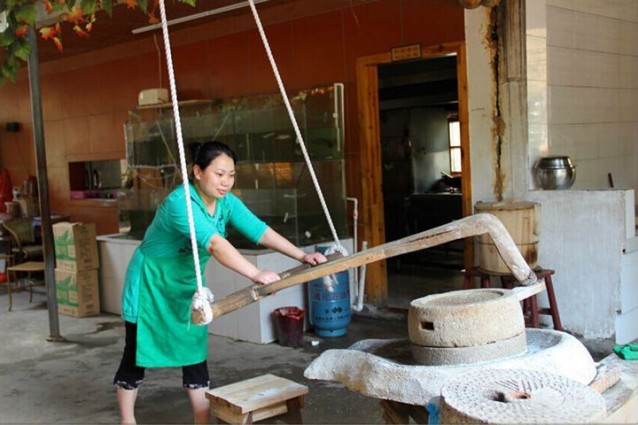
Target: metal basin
x=555 y=172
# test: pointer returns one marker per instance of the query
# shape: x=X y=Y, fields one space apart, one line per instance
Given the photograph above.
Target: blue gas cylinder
x=330 y=310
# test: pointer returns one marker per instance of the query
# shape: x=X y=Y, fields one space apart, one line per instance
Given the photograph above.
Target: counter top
x=126 y=239
x=94 y=202
x=118 y=238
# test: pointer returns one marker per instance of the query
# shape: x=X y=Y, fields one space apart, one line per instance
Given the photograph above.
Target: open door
x=381 y=226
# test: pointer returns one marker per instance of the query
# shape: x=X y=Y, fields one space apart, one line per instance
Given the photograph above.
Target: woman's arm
x=273 y=240
x=229 y=257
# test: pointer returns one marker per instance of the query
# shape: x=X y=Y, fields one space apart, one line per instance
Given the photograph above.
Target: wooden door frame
x=370 y=157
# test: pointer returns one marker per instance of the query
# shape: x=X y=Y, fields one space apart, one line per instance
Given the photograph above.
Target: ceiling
x=108 y=31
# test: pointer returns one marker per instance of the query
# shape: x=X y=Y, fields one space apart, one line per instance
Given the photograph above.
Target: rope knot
x=201 y=312
x=331 y=280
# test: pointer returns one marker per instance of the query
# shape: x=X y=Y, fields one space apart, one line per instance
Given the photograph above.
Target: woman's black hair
x=203 y=154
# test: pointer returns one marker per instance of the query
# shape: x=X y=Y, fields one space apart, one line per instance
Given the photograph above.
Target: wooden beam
x=371 y=172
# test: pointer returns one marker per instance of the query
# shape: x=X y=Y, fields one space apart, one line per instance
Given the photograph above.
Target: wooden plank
x=227 y=415
x=231 y=417
x=227 y=390
x=606 y=377
x=465 y=227
x=466 y=183
x=270 y=411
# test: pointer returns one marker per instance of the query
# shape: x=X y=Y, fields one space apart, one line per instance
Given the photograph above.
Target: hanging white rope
x=338 y=247
x=203 y=297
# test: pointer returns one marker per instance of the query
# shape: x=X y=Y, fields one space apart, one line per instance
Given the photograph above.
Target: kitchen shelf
x=182 y=103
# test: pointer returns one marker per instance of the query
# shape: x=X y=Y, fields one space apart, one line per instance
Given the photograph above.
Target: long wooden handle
x=306 y=266
x=473 y=225
x=522 y=292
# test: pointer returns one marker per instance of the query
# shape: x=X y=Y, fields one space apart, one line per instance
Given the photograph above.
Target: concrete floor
x=70 y=382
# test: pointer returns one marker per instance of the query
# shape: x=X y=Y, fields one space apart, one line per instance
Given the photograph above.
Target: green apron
x=160 y=279
x=166 y=337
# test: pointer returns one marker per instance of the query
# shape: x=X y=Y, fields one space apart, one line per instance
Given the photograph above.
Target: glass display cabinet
x=272 y=176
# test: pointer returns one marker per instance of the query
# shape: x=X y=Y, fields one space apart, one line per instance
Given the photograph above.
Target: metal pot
x=555 y=172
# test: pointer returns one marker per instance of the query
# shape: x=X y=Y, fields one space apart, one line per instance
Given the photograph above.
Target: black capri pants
x=130 y=376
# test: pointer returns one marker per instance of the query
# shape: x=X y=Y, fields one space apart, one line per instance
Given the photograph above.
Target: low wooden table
x=28 y=268
x=257 y=399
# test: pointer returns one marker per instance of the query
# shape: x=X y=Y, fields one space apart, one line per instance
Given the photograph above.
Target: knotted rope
x=203 y=296
x=337 y=247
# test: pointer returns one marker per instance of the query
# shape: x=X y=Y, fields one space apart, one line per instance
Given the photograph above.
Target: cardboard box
x=75 y=246
x=77 y=292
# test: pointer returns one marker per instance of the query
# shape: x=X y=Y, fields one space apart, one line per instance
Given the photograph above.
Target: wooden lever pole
x=468 y=226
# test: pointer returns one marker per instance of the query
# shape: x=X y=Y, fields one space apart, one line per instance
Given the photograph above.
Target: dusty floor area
x=70 y=382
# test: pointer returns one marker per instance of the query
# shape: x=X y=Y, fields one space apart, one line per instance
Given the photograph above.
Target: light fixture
x=200 y=15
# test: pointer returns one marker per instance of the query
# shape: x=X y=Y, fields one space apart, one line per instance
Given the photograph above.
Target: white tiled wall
x=536 y=55
x=592 y=86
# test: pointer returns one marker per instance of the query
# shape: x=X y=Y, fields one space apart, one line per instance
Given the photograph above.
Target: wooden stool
x=28 y=268
x=257 y=399
x=530 y=305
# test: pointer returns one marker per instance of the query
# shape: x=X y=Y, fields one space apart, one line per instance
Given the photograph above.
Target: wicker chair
x=24 y=246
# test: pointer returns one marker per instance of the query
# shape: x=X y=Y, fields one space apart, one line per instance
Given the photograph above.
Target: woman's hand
x=314 y=258
x=265 y=277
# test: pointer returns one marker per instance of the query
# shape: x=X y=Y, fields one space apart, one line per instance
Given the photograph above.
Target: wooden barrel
x=520 y=218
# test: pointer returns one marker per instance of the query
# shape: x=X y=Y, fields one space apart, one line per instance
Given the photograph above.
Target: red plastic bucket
x=289 y=322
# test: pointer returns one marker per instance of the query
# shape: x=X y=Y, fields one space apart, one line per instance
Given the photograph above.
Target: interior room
x=471 y=163
x=421 y=172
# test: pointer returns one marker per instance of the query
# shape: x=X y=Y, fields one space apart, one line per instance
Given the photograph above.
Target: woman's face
x=217 y=179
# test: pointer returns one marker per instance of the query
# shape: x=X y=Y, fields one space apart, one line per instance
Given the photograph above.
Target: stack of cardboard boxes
x=76 y=269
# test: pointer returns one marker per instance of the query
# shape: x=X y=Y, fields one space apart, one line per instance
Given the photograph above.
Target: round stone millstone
x=434 y=356
x=511 y=396
x=385 y=369
x=465 y=318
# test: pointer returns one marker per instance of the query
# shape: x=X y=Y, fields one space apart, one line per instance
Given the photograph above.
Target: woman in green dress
x=160 y=279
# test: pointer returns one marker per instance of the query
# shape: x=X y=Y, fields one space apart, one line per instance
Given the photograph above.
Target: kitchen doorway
x=421 y=172
x=413 y=173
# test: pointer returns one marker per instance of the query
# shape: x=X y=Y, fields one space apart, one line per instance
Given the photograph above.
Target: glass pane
x=272 y=176
x=455 y=160
x=455 y=133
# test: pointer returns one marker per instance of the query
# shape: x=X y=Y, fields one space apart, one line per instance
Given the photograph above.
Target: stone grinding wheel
x=436 y=356
x=465 y=318
x=509 y=396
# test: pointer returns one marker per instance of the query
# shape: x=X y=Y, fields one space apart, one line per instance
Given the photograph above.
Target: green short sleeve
x=242 y=219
